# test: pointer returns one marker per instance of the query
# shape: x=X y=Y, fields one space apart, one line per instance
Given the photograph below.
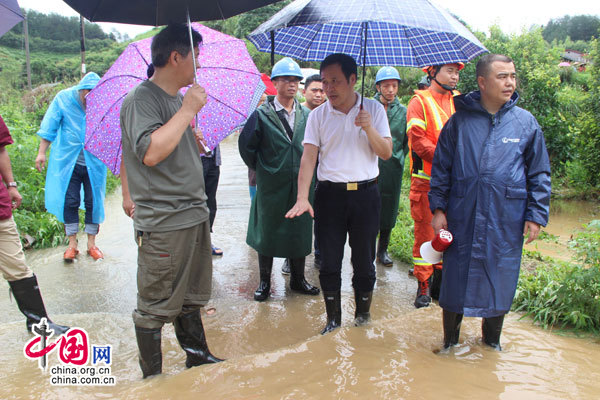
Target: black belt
x=348 y=185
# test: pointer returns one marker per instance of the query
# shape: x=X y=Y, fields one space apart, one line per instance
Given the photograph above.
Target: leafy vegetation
x=578 y=28
x=565 y=295
x=402 y=237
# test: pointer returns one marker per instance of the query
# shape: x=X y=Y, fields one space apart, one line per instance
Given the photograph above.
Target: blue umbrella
x=10 y=15
x=410 y=33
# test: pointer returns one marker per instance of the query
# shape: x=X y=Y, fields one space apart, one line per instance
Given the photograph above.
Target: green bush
x=564 y=294
x=587 y=245
x=402 y=238
x=587 y=127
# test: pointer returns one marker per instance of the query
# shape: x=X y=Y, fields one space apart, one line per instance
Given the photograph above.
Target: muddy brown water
x=567 y=218
x=273 y=349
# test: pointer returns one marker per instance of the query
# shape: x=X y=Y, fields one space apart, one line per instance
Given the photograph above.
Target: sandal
x=95 y=253
x=70 y=254
x=216 y=251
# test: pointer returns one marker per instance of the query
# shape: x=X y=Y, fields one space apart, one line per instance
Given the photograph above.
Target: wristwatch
x=12 y=184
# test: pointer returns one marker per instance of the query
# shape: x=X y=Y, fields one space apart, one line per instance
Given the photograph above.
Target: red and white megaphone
x=433 y=250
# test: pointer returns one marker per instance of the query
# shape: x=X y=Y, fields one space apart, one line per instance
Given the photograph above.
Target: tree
x=579 y=27
x=538 y=82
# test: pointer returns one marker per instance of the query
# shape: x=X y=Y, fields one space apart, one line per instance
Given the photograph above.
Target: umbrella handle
x=207 y=150
x=362 y=90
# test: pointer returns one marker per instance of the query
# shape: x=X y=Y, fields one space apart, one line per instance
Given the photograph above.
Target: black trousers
x=355 y=213
x=211 y=182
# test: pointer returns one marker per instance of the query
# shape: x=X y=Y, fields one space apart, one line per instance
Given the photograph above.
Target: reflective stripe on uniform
x=421 y=174
x=416 y=122
x=420 y=261
x=434 y=108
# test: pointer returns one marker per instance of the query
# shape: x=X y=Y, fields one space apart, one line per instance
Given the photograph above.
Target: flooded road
x=567 y=218
x=273 y=349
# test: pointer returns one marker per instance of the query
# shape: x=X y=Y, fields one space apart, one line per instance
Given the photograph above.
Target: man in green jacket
x=390 y=171
x=271 y=144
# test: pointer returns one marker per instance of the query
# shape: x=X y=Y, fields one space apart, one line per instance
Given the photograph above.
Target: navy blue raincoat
x=490 y=174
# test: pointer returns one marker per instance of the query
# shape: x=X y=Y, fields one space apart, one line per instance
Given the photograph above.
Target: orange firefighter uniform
x=427 y=113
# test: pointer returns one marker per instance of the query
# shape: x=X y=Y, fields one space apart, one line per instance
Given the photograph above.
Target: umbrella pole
x=362 y=90
x=272 y=48
x=207 y=150
x=192 y=44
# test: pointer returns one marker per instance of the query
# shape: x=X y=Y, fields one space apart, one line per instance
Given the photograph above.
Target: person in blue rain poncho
x=70 y=166
x=490 y=187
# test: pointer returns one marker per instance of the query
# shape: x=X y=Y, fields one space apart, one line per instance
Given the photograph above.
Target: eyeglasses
x=289 y=79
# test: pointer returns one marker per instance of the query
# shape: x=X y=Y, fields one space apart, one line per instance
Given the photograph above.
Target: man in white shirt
x=347 y=134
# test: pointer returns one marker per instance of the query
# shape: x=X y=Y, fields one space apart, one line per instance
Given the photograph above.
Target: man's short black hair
x=485 y=63
x=311 y=79
x=346 y=62
x=174 y=37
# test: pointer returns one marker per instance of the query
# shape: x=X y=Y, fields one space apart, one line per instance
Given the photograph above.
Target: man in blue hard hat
x=390 y=171
x=271 y=144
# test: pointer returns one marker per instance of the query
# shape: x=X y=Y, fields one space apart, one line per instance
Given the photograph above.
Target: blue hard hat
x=286 y=67
x=387 y=73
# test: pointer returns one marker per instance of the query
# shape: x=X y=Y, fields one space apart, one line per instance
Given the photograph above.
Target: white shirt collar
x=356 y=105
x=279 y=106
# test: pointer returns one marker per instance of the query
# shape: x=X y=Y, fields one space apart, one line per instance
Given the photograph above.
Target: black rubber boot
x=285 y=267
x=192 y=339
x=423 y=298
x=362 y=315
x=436 y=284
x=297 y=281
x=491 y=328
x=317 y=262
x=150 y=354
x=451 y=322
x=29 y=300
x=265 y=265
x=333 y=306
x=382 y=254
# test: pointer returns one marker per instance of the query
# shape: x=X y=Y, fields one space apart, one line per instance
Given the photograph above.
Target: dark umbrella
x=162 y=12
x=10 y=15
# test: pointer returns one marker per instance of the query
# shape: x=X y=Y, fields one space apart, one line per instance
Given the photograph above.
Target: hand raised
x=194 y=99
x=363 y=119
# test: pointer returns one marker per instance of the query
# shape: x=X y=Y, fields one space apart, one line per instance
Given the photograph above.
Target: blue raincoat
x=491 y=173
x=64 y=126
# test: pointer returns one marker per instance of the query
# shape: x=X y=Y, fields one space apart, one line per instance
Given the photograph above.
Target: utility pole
x=82 y=35
x=27 y=63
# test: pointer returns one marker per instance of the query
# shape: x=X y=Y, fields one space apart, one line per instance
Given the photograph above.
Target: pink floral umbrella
x=227 y=72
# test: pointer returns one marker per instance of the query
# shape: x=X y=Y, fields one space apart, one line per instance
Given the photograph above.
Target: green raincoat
x=390 y=171
x=265 y=147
